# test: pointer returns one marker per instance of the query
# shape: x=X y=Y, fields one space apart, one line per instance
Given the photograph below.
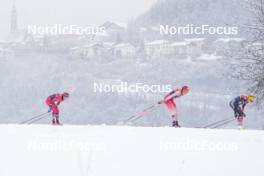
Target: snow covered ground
x=44 y=150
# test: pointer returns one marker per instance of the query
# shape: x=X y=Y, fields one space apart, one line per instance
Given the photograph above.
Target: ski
x=139 y=115
x=34 y=118
x=224 y=123
x=216 y=123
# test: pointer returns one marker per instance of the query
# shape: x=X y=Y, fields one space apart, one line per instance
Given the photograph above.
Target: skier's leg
x=172 y=107
x=53 y=119
x=57 y=119
x=240 y=117
x=55 y=115
x=240 y=120
x=237 y=110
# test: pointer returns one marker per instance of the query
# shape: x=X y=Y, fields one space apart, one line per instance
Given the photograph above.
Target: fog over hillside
x=205 y=12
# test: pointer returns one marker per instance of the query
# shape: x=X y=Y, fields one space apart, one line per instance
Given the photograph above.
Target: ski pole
x=140 y=114
x=215 y=123
x=138 y=117
x=224 y=123
x=37 y=119
x=34 y=118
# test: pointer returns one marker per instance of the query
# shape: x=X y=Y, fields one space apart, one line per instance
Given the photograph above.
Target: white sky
x=80 y=12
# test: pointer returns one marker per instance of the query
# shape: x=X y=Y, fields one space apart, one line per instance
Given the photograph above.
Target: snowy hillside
x=44 y=150
x=219 y=12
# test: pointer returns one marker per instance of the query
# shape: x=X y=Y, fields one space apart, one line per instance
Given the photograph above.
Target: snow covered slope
x=42 y=150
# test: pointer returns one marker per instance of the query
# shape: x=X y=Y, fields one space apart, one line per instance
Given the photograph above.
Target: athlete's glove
x=161 y=101
x=50 y=109
x=57 y=103
x=236 y=114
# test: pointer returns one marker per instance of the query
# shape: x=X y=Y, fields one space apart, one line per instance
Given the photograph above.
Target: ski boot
x=175 y=124
x=58 y=122
x=53 y=122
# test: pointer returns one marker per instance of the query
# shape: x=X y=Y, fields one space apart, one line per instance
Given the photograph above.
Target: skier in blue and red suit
x=169 y=101
x=238 y=104
x=53 y=102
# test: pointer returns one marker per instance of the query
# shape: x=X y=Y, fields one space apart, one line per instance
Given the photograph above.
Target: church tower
x=13 y=26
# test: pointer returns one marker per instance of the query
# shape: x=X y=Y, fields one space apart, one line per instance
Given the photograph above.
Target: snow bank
x=44 y=150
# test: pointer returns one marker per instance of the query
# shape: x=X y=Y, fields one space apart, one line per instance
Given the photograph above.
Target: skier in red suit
x=53 y=102
x=169 y=101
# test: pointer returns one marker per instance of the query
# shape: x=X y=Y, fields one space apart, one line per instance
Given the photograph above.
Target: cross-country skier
x=238 y=104
x=53 y=102
x=169 y=101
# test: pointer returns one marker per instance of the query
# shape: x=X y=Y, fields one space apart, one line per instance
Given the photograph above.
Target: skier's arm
x=168 y=95
x=58 y=100
x=244 y=98
x=175 y=96
x=243 y=107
